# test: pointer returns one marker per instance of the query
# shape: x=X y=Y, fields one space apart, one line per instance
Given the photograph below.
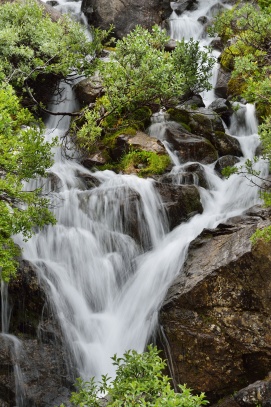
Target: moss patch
x=144 y=163
x=179 y=116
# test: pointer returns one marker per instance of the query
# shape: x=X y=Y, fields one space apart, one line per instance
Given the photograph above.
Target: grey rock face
x=217 y=315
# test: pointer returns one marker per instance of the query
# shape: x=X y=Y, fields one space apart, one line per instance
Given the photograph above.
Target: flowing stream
x=110 y=259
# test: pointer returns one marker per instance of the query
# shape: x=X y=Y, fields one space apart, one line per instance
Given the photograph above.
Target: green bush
x=139 y=382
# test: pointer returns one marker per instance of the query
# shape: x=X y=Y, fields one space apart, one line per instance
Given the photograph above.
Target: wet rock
x=223 y=108
x=226 y=161
x=225 y=144
x=190 y=147
x=27 y=300
x=182 y=5
x=203 y=20
x=34 y=361
x=88 y=90
x=217 y=314
x=215 y=9
x=125 y=14
x=89 y=180
x=221 y=86
x=190 y=174
x=180 y=202
x=205 y=120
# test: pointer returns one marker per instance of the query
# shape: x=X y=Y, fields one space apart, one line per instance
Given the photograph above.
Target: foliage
x=249 y=58
x=31 y=43
x=141 y=75
x=23 y=155
x=139 y=381
x=147 y=162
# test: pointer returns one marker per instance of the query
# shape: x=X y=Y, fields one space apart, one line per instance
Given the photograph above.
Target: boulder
x=258 y=393
x=189 y=146
x=217 y=314
x=224 y=144
x=143 y=142
x=226 y=161
x=223 y=108
x=221 y=86
x=182 y=5
x=205 y=120
x=180 y=202
x=125 y=14
x=88 y=90
x=190 y=174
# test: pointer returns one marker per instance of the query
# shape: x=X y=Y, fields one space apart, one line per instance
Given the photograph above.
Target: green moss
x=179 y=116
x=109 y=140
x=141 y=117
x=145 y=163
x=236 y=86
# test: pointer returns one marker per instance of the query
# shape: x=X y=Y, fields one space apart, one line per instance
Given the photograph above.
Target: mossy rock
x=144 y=163
x=205 y=121
x=225 y=144
x=236 y=86
x=141 y=117
x=180 y=116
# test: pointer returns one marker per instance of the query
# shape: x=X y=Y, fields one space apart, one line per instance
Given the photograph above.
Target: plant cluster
x=139 y=382
x=142 y=76
x=23 y=155
x=248 y=57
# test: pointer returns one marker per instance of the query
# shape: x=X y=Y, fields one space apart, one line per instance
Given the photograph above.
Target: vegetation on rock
x=139 y=381
x=249 y=58
x=141 y=77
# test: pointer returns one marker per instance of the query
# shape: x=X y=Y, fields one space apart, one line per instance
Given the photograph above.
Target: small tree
x=142 y=76
x=23 y=155
x=139 y=382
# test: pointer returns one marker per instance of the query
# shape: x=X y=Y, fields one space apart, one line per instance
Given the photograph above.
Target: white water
x=105 y=286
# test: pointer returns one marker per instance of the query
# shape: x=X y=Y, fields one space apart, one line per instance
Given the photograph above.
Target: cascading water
x=110 y=259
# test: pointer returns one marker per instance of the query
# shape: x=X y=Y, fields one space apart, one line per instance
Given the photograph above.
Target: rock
x=226 y=161
x=96 y=159
x=180 y=202
x=223 y=108
x=195 y=101
x=190 y=174
x=221 y=86
x=217 y=314
x=190 y=147
x=88 y=90
x=204 y=120
x=215 y=9
x=171 y=45
x=35 y=362
x=182 y=5
x=203 y=20
x=125 y=14
x=143 y=142
x=54 y=14
x=217 y=44
x=258 y=393
x=225 y=144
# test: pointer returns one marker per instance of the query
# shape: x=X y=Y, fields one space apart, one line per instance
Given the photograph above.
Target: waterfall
x=110 y=259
